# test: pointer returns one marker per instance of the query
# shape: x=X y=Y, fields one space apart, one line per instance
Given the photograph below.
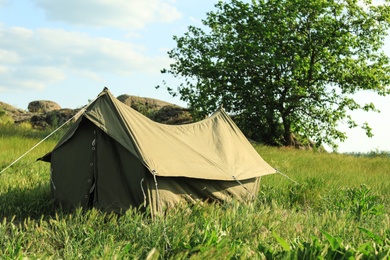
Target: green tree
x=284 y=67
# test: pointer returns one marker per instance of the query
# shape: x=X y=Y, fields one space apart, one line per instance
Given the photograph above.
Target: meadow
x=338 y=209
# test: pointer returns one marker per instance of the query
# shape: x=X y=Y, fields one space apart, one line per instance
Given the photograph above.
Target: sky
x=67 y=51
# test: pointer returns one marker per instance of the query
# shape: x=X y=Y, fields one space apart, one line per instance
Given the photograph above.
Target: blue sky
x=68 y=50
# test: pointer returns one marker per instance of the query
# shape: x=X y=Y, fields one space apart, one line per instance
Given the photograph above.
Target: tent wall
x=176 y=190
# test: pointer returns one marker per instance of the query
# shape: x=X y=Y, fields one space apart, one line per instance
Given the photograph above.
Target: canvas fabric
x=93 y=170
x=113 y=158
x=174 y=191
x=213 y=149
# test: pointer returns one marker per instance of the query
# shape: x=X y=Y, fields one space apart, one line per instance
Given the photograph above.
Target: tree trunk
x=288 y=136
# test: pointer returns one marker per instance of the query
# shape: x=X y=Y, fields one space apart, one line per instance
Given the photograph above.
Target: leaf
x=373 y=236
x=153 y=254
x=366 y=249
x=335 y=242
x=286 y=246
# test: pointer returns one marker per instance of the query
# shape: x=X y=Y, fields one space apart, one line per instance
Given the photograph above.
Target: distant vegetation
x=339 y=210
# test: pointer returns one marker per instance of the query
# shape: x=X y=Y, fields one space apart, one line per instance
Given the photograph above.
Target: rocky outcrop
x=157 y=110
x=52 y=118
x=172 y=115
x=12 y=113
x=42 y=114
x=146 y=106
x=42 y=106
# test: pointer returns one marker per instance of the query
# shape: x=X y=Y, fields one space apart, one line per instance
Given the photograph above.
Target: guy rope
x=44 y=139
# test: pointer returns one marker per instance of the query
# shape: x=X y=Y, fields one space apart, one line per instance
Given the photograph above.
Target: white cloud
x=99 y=54
x=128 y=14
x=133 y=35
x=36 y=58
x=29 y=77
x=10 y=56
x=4 y=70
x=89 y=75
x=3 y=3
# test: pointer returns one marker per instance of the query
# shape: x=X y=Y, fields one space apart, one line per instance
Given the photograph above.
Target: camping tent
x=114 y=158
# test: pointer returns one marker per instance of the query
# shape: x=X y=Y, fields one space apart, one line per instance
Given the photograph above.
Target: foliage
x=330 y=214
x=284 y=67
x=373 y=153
x=360 y=202
x=4 y=118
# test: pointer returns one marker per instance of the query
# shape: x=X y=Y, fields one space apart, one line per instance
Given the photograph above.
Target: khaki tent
x=113 y=158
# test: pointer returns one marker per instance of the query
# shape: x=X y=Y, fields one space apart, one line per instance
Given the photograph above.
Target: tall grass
x=339 y=209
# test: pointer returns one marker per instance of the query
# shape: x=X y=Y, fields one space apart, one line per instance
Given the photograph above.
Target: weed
x=307 y=194
x=359 y=202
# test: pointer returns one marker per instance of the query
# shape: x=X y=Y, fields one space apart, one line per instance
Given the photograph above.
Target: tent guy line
x=285 y=175
x=35 y=146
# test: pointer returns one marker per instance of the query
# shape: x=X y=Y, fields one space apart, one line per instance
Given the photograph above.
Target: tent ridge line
x=136 y=144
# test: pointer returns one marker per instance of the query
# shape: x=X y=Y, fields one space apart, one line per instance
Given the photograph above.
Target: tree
x=284 y=67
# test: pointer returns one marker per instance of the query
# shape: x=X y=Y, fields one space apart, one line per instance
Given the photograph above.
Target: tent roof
x=213 y=148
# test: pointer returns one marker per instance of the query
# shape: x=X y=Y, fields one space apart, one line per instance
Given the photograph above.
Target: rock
x=172 y=115
x=157 y=110
x=53 y=118
x=141 y=103
x=42 y=106
x=16 y=114
x=43 y=114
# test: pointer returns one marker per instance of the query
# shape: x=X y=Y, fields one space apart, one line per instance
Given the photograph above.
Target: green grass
x=339 y=209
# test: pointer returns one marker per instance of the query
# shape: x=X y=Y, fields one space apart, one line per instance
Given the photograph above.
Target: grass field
x=339 y=210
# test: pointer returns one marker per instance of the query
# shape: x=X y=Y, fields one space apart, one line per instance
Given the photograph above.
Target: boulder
x=157 y=110
x=53 y=118
x=172 y=115
x=42 y=106
x=142 y=104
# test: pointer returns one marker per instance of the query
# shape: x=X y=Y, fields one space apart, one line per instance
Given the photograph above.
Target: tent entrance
x=91 y=169
x=74 y=167
x=119 y=176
